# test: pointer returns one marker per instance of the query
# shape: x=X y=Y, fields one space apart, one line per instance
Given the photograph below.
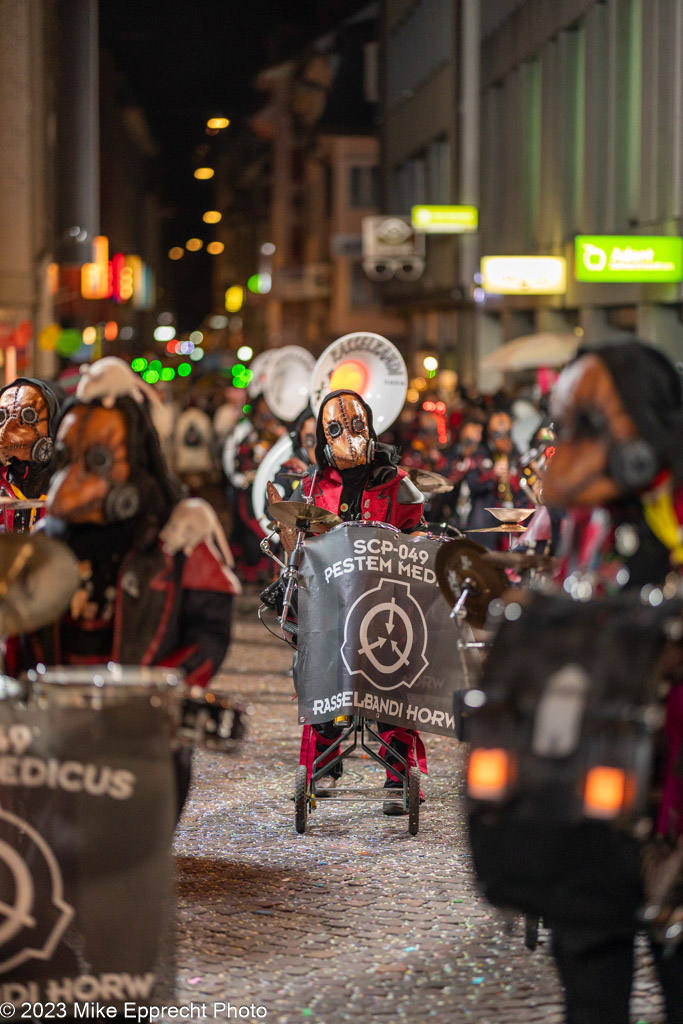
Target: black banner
x=375 y=636
x=87 y=812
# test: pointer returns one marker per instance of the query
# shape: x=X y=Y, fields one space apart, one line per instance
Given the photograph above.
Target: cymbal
x=503 y=528
x=459 y=564
x=430 y=483
x=520 y=560
x=16 y=503
x=290 y=513
x=511 y=515
x=38 y=578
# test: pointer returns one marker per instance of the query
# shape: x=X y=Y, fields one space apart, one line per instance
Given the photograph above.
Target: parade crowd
x=144 y=491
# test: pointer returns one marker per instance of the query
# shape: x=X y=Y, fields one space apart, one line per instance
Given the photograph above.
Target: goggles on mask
x=347 y=432
x=23 y=425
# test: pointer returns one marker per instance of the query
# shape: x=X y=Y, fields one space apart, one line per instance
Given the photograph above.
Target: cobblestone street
x=356 y=920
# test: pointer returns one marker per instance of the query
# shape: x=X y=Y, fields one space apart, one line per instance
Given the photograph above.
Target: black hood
x=650 y=388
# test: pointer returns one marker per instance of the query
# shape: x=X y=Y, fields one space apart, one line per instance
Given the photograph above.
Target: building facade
x=574 y=129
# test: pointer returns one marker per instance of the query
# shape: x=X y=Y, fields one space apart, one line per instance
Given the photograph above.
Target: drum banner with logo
x=375 y=636
x=87 y=811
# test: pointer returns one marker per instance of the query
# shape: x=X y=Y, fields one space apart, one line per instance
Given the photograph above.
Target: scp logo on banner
x=30 y=926
x=385 y=637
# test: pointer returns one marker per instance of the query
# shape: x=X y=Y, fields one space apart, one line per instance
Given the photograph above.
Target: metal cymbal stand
x=291 y=571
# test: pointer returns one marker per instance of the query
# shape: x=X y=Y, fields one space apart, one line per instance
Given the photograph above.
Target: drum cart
x=306 y=518
x=356 y=731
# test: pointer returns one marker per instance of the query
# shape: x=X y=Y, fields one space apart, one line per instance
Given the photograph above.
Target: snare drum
x=363 y=523
x=88 y=791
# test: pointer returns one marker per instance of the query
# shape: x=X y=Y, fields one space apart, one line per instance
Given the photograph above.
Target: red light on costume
x=440 y=407
x=350 y=376
x=604 y=792
x=549 y=452
x=428 y=406
x=488 y=773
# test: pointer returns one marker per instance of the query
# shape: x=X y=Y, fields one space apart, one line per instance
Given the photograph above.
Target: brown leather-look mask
x=347 y=433
x=590 y=418
x=499 y=433
x=23 y=425
x=92 y=462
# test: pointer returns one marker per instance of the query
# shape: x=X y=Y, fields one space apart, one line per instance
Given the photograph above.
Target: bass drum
x=86 y=827
x=267 y=470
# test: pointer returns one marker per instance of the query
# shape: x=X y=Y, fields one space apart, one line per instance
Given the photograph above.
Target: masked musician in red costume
x=358 y=479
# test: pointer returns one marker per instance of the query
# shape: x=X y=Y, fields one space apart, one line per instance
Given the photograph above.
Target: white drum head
x=268 y=467
x=259 y=367
x=368 y=364
x=287 y=383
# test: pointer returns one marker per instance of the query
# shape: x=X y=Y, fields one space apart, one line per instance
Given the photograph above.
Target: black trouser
x=597 y=974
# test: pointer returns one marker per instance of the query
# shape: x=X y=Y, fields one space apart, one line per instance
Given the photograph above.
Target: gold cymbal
x=503 y=528
x=430 y=483
x=296 y=513
x=38 y=578
x=511 y=515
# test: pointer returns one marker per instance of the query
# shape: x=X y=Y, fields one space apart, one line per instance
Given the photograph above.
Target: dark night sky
x=184 y=61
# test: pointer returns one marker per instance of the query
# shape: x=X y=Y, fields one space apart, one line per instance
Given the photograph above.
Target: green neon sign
x=640 y=258
x=445 y=220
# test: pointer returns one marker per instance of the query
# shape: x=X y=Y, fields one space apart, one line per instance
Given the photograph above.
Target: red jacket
x=379 y=504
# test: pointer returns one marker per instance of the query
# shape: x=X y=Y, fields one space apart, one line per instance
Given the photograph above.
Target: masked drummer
x=156 y=579
x=618 y=470
x=28 y=417
x=358 y=479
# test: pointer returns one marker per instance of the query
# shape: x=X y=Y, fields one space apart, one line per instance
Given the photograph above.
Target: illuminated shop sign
x=629 y=258
x=524 y=275
x=445 y=220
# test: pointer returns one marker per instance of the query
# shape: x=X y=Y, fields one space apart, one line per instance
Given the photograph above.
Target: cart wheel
x=301 y=798
x=414 y=801
x=531 y=931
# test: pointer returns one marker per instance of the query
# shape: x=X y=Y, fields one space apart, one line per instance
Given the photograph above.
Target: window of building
x=439 y=172
x=363 y=291
x=421 y=44
x=409 y=184
x=364 y=186
x=371 y=73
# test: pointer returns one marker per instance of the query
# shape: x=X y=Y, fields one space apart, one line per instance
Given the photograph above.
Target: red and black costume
x=358 y=479
x=244 y=448
x=618 y=468
x=153 y=591
x=488 y=487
